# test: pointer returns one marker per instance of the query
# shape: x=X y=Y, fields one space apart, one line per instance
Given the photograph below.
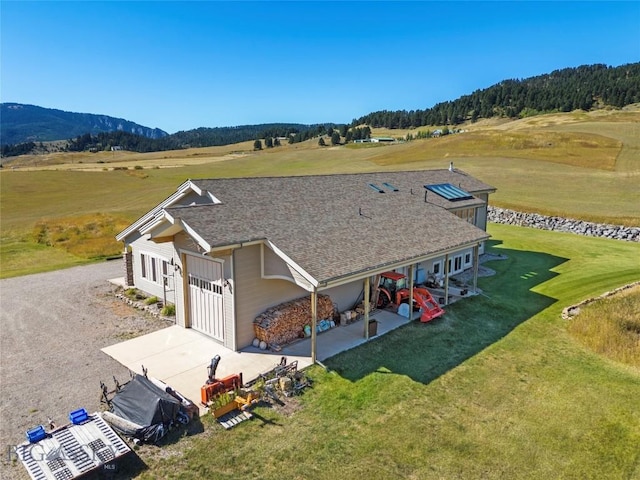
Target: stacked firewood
x=283 y=323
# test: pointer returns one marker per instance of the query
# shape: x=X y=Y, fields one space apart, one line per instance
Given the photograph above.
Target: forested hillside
x=585 y=88
x=199 y=137
x=30 y=123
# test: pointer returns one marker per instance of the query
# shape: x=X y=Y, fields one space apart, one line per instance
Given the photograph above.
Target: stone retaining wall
x=580 y=227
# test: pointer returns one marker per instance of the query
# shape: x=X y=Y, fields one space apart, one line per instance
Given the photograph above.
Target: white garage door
x=206 y=313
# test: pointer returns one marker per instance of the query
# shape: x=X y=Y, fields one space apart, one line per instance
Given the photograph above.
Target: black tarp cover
x=142 y=402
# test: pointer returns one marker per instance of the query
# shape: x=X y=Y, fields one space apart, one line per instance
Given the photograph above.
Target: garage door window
x=205 y=284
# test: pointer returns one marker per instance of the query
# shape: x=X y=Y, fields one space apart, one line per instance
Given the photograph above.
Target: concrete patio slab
x=180 y=356
x=343 y=338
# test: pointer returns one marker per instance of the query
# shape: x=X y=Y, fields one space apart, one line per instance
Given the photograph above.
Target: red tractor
x=393 y=290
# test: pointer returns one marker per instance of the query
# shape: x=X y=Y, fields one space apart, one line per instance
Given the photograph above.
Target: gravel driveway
x=52 y=327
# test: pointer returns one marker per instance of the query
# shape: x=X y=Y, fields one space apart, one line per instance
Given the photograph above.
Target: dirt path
x=52 y=327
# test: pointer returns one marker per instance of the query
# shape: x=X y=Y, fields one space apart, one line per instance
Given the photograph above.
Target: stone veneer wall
x=580 y=227
x=128 y=268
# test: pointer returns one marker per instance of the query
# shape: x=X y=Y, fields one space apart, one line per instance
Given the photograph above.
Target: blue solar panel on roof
x=449 y=192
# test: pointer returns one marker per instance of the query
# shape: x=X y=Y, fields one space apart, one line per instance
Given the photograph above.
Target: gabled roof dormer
x=186 y=194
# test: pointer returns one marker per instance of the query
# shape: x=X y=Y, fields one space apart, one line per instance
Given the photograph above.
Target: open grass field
x=579 y=165
x=497 y=388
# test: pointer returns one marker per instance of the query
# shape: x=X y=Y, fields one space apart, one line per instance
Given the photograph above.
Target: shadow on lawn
x=425 y=351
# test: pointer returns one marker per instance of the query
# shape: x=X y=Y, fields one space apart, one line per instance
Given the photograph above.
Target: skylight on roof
x=389 y=186
x=449 y=192
x=376 y=188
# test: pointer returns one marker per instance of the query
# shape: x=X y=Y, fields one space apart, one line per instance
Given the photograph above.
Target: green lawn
x=496 y=388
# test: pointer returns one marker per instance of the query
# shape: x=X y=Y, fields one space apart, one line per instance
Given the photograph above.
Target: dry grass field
x=611 y=327
x=580 y=165
x=498 y=388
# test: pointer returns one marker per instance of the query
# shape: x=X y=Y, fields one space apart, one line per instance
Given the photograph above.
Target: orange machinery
x=215 y=386
x=392 y=290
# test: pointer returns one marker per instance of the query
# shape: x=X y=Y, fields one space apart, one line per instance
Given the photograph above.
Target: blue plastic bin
x=78 y=416
x=36 y=434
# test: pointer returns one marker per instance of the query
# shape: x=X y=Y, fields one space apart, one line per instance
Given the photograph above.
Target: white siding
x=429 y=266
x=163 y=251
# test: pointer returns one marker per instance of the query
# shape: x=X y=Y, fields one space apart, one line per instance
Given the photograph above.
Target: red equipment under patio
x=392 y=291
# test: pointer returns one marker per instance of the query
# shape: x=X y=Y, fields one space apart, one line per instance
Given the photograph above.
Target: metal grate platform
x=72 y=450
x=233 y=418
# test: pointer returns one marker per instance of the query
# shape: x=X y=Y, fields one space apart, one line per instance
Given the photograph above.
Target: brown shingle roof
x=337 y=225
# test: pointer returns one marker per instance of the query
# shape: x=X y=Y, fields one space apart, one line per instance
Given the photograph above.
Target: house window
x=154 y=269
x=165 y=273
x=437 y=266
x=467 y=259
x=457 y=264
x=154 y=275
x=143 y=264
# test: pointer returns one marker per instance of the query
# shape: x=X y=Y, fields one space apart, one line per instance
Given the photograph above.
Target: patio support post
x=411 y=274
x=314 y=323
x=186 y=308
x=476 y=266
x=376 y=292
x=367 y=286
x=446 y=279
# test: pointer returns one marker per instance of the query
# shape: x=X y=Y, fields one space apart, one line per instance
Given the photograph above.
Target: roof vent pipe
x=451 y=166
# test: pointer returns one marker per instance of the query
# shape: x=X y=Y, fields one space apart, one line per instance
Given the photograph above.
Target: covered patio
x=180 y=357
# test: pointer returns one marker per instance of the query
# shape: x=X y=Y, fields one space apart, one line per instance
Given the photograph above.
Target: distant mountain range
x=586 y=87
x=21 y=123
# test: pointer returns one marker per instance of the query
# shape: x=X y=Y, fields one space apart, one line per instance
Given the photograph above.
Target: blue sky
x=183 y=65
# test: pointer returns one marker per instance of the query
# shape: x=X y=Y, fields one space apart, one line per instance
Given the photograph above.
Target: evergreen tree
x=257 y=145
x=562 y=90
